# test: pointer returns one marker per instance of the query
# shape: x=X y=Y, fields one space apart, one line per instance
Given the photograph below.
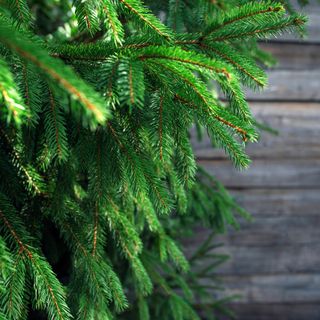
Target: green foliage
x=10 y=96
x=86 y=13
x=99 y=183
x=141 y=15
x=55 y=71
x=20 y=11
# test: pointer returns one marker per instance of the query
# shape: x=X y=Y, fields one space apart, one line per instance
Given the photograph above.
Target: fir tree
x=99 y=183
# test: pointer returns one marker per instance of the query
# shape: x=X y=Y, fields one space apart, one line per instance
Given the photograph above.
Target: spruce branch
x=52 y=295
x=30 y=86
x=138 y=10
x=10 y=95
x=179 y=55
x=160 y=128
x=250 y=73
x=31 y=178
x=113 y=21
x=224 y=138
x=15 y=302
x=159 y=195
x=86 y=13
x=96 y=194
x=55 y=130
x=250 y=10
x=95 y=108
x=175 y=16
x=95 y=231
x=20 y=12
x=263 y=29
x=103 y=282
x=242 y=131
x=211 y=69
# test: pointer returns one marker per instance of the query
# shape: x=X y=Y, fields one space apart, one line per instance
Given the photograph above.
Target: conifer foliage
x=98 y=177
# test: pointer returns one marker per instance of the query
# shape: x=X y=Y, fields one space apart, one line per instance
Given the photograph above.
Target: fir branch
x=113 y=21
x=10 y=95
x=94 y=107
x=100 y=273
x=95 y=230
x=175 y=16
x=262 y=30
x=32 y=179
x=55 y=130
x=132 y=98
x=164 y=202
x=160 y=128
x=86 y=13
x=210 y=113
x=244 y=12
x=15 y=293
x=45 y=280
x=20 y=12
x=179 y=55
x=142 y=13
x=22 y=246
x=243 y=64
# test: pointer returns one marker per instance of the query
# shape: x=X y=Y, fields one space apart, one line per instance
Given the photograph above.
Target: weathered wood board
x=270 y=173
x=296 y=288
x=276 y=311
x=291 y=57
x=269 y=230
x=280 y=202
x=289 y=85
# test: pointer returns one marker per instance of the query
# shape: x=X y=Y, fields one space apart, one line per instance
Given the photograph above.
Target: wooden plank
x=289 y=85
x=295 y=288
x=313 y=6
x=272 y=231
x=293 y=56
x=275 y=311
x=267 y=174
x=282 y=202
x=260 y=260
x=298 y=125
x=269 y=231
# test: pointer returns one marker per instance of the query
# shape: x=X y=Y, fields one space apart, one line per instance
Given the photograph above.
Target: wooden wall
x=275 y=260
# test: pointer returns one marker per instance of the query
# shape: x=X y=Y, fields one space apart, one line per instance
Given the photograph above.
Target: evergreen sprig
x=56 y=71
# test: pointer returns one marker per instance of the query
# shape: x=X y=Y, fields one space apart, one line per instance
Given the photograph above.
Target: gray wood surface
x=280 y=202
x=275 y=260
x=288 y=288
x=270 y=173
x=269 y=230
x=291 y=57
x=275 y=311
x=289 y=85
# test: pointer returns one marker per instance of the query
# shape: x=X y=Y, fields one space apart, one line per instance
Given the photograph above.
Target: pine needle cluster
x=99 y=182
